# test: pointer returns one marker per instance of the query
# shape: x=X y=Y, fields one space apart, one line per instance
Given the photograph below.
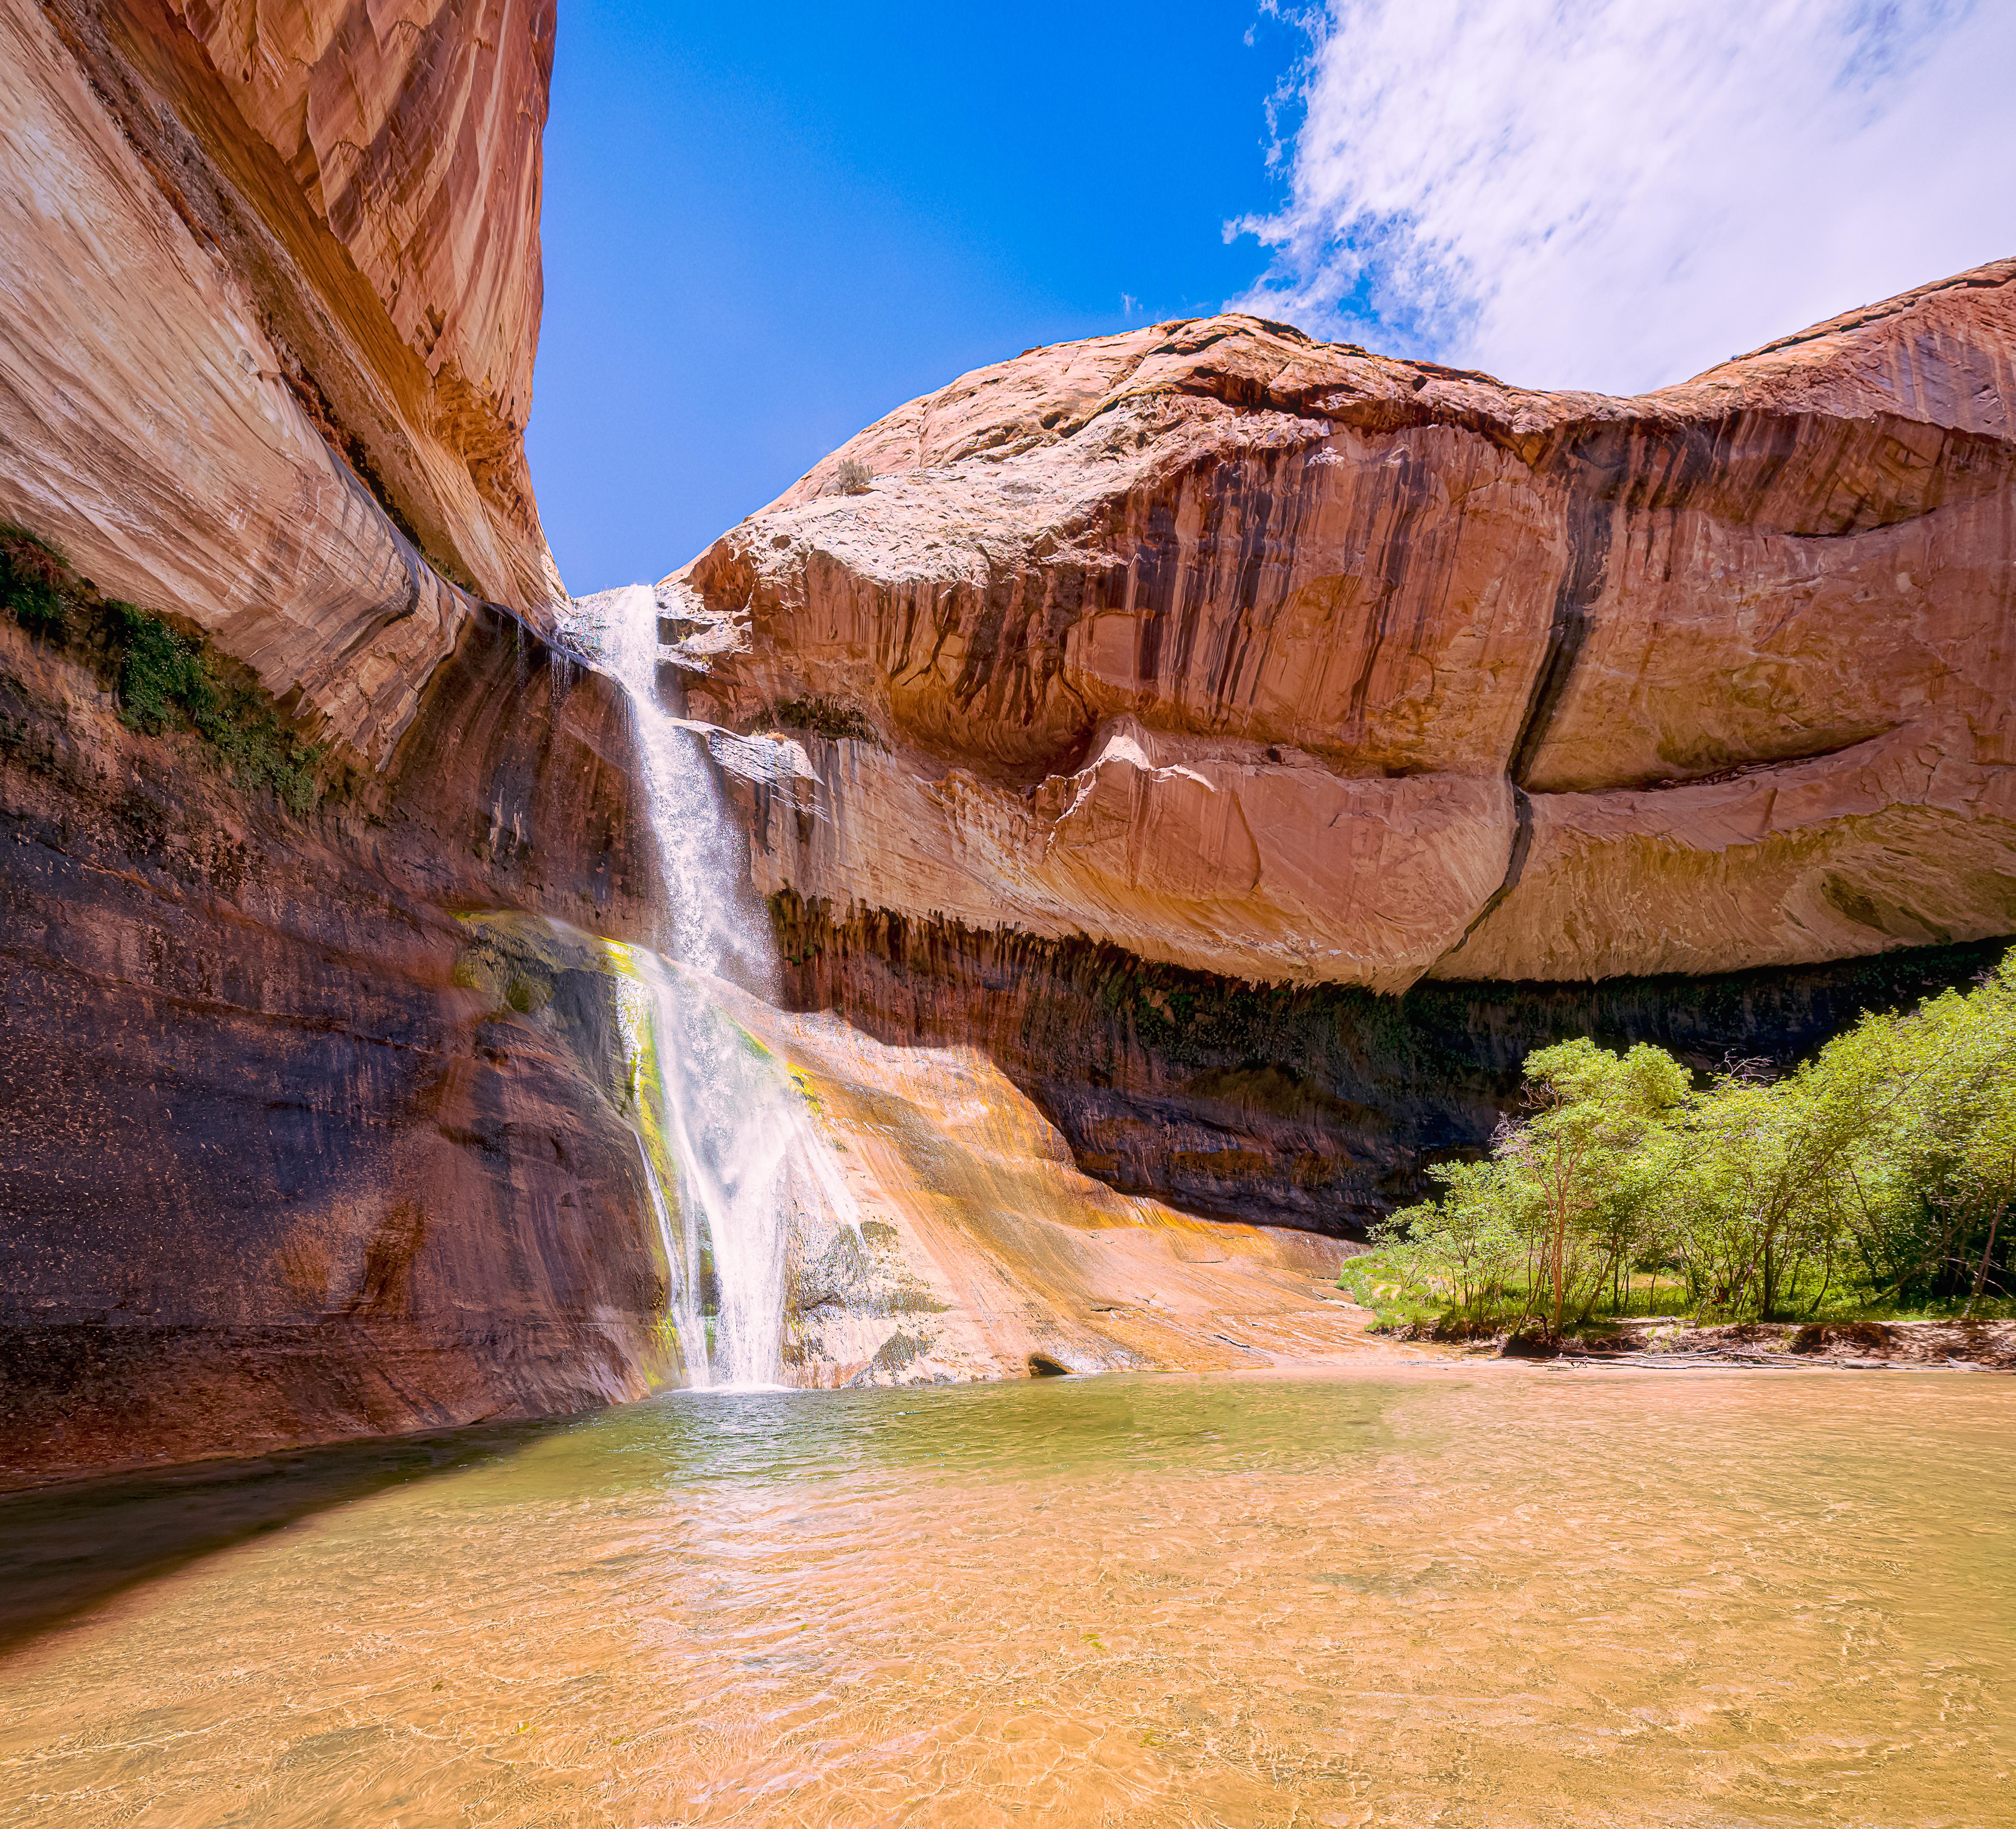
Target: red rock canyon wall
x=268 y=315
x=1164 y=702
x=1285 y=661
x=280 y=1161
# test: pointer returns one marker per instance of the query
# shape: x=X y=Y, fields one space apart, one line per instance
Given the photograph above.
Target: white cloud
x=1616 y=194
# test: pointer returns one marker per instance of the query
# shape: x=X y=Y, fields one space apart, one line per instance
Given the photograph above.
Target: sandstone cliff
x=1284 y=660
x=276 y=1163
x=278 y=1166
x=268 y=313
x=315 y=852
x=1163 y=702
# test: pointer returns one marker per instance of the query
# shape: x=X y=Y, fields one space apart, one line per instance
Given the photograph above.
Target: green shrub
x=1881 y=1174
x=164 y=680
x=261 y=751
x=33 y=577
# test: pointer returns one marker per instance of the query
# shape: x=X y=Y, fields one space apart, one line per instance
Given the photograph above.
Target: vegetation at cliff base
x=33 y=575
x=164 y=680
x=1880 y=1176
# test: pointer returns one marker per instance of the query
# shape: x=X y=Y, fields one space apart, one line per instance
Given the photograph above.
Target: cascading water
x=716 y=1114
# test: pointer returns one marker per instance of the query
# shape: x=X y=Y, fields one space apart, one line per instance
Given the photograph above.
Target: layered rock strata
x=1283 y=660
x=315 y=1086
x=1164 y=702
x=1314 y=1106
x=278 y=1167
x=269 y=295
x=268 y=313
x=313 y=1133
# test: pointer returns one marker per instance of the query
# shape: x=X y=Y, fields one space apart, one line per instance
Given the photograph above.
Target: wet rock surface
x=1162 y=704
x=983 y=1251
x=1315 y=1107
x=274 y=1171
x=286 y=1160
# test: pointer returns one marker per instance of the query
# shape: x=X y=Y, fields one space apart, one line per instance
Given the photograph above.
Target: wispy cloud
x=1615 y=194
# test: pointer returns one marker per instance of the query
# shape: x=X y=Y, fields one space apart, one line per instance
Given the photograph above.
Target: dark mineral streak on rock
x=1312 y=1107
x=1587 y=529
x=1740 y=646
x=1276 y=659
x=272 y=1173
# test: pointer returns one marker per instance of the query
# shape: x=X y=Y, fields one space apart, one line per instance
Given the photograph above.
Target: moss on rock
x=166 y=678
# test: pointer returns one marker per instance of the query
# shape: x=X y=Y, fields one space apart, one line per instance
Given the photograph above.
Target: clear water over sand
x=1489 y=1596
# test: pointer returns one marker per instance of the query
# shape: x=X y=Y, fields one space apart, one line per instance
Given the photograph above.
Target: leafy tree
x=1593 y=1113
x=1937 y=1175
x=1894 y=1149
x=1564 y=1199
x=1472 y=1242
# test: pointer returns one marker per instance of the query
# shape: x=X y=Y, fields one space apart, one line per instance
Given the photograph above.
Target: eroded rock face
x=1203 y=645
x=413 y=131
x=978 y=1249
x=279 y=1164
x=269 y=308
x=284 y=1159
x=1316 y=1106
x=1281 y=660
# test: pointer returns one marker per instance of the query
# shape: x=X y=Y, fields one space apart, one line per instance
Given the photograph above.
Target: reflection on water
x=1501 y=1597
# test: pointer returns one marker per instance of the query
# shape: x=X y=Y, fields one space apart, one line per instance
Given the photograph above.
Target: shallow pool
x=1495 y=1596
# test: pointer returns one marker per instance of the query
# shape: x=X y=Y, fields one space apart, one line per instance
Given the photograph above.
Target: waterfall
x=716 y=1113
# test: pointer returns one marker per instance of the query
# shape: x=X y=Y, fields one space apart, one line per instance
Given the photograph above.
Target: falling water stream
x=1453 y=1596
x=732 y=1156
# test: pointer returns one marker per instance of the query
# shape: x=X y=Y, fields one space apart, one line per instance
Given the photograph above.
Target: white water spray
x=731 y=1127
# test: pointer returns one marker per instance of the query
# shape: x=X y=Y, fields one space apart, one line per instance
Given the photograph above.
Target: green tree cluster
x=1880 y=1174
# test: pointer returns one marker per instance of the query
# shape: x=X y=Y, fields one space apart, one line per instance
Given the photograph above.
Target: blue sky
x=766 y=226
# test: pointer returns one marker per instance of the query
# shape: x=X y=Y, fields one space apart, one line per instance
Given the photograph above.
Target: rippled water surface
x=1497 y=1596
